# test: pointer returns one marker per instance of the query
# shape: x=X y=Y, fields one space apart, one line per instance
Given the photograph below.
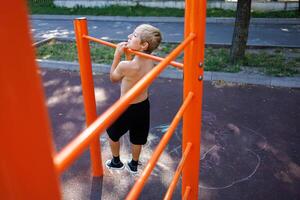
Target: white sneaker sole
x=113 y=168
x=129 y=170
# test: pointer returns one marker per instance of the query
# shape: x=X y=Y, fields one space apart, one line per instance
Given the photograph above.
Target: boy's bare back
x=135 y=70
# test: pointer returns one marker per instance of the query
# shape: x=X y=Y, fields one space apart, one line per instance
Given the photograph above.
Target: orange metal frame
x=19 y=77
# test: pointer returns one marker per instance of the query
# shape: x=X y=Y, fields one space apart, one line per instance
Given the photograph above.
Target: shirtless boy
x=136 y=118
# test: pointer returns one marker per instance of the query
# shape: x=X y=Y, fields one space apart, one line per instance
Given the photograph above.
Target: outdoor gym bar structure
x=25 y=127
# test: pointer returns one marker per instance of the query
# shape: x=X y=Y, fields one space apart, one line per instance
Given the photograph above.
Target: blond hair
x=151 y=35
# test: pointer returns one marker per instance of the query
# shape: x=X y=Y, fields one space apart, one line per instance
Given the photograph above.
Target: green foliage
x=272 y=64
x=275 y=63
x=277 y=14
x=218 y=12
x=40 y=3
x=58 y=51
x=218 y=60
x=47 y=7
x=68 y=52
x=113 y=10
x=164 y=49
x=102 y=54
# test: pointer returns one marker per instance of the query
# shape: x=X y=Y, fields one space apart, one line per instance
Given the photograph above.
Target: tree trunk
x=240 y=34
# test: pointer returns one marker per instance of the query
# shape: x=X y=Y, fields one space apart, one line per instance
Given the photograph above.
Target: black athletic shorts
x=136 y=120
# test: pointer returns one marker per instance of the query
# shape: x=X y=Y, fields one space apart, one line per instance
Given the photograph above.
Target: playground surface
x=249 y=149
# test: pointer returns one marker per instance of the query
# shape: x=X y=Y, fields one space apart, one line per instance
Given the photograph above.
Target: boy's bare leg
x=136 y=150
x=115 y=148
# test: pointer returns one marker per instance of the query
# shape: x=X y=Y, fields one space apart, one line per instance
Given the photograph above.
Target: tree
x=240 y=33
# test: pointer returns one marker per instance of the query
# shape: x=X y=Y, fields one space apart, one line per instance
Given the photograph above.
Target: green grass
x=277 y=14
x=68 y=52
x=49 y=8
x=106 y=11
x=218 y=60
x=274 y=64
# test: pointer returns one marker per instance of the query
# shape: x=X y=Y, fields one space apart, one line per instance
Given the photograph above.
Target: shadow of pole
x=96 y=190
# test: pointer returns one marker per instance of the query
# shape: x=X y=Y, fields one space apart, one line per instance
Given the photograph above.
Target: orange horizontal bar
x=156 y=58
x=186 y=193
x=139 y=184
x=173 y=184
x=100 y=41
x=68 y=154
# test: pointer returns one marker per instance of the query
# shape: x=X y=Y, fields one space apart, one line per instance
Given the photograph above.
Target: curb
x=224 y=20
x=241 y=77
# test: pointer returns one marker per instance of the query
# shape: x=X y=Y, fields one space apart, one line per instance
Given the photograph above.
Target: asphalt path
x=216 y=33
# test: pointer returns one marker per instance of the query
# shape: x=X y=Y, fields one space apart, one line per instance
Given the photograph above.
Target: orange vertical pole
x=26 y=150
x=195 y=14
x=86 y=75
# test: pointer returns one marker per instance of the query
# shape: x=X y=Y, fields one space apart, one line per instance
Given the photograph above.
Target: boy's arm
x=116 y=70
x=115 y=75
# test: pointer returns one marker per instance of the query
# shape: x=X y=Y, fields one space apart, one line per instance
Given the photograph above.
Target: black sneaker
x=131 y=168
x=110 y=164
